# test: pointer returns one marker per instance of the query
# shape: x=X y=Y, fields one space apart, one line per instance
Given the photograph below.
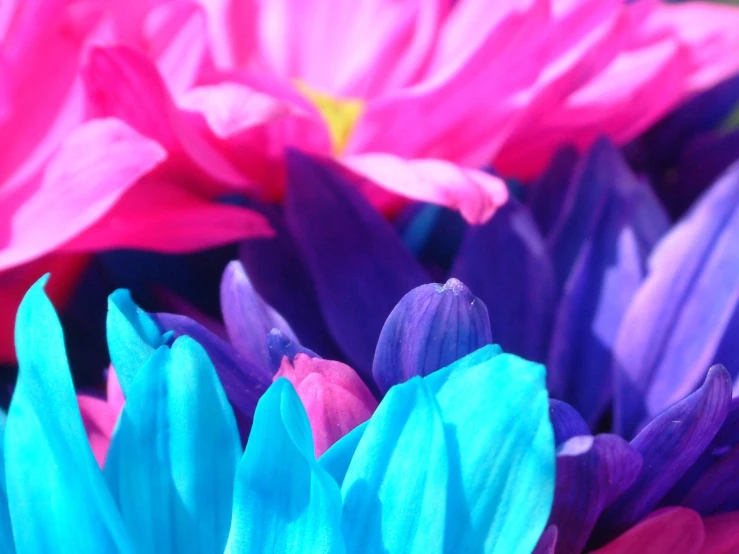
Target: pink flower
x=71 y=183
x=416 y=95
x=334 y=397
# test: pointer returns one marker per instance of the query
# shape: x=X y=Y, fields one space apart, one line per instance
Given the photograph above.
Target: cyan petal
x=395 y=488
x=243 y=382
x=132 y=337
x=59 y=501
x=6 y=532
x=337 y=458
x=284 y=502
x=248 y=318
x=496 y=414
x=173 y=457
x=358 y=263
x=505 y=263
x=431 y=327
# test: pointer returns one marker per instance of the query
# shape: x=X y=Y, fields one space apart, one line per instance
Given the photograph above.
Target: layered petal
x=44 y=430
x=177 y=440
x=300 y=508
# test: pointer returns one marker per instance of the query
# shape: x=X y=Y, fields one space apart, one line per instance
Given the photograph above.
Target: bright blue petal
x=284 y=502
x=6 y=532
x=59 y=501
x=395 y=488
x=502 y=456
x=132 y=337
x=173 y=457
x=337 y=458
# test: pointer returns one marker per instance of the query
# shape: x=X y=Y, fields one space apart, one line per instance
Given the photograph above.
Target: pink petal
x=334 y=397
x=722 y=534
x=99 y=419
x=89 y=173
x=357 y=48
x=474 y=193
x=255 y=128
x=124 y=83
x=165 y=217
x=233 y=31
x=666 y=531
x=176 y=37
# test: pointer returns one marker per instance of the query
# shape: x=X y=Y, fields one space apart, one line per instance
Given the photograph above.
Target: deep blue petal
x=566 y=422
x=669 y=445
x=358 y=263
x=431 y=327
x=505 y=264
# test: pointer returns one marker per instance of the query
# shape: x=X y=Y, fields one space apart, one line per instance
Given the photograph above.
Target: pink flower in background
x=418 y=95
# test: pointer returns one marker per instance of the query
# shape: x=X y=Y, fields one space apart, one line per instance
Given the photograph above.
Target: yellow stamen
x=340 y=115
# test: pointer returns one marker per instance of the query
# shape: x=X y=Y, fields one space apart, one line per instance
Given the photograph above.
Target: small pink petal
x=99 y=419
x=165 y=217
x=722 y=534
x=334 y=397
x=124 y=83
x=666 y=531
x=90 y=172
x=474 y=193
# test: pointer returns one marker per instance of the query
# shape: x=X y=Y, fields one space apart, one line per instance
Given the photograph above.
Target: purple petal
x=505 y=264
x=249 y=319
x=359 y=265
x=669 y=445
x=280 y=276
x=684 y=310
x=607 y=272
x=280 y=346
x=544 y=196
x=710 y=485
x=601 y=173
x=431 y=327
x=243 y=382
x=591 y=473
x=566 y=422
x=547 y=541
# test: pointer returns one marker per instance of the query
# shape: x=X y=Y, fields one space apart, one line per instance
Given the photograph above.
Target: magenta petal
x=99 y=419
x=667 y=531
x=89 y=173
x=669 y=445
x=358 y=263
x=591 y=473
x=721 y=534
x=334 y=396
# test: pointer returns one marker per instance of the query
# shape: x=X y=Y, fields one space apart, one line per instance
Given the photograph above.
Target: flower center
x=340 y=114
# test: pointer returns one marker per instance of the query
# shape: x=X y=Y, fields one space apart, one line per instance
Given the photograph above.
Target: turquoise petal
x=6 y=532
x=395 y=488
x=496 y=413
x=132 y=337
x=284 y=502
x=173 y=457
x=337 y=458
x=59 y=501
